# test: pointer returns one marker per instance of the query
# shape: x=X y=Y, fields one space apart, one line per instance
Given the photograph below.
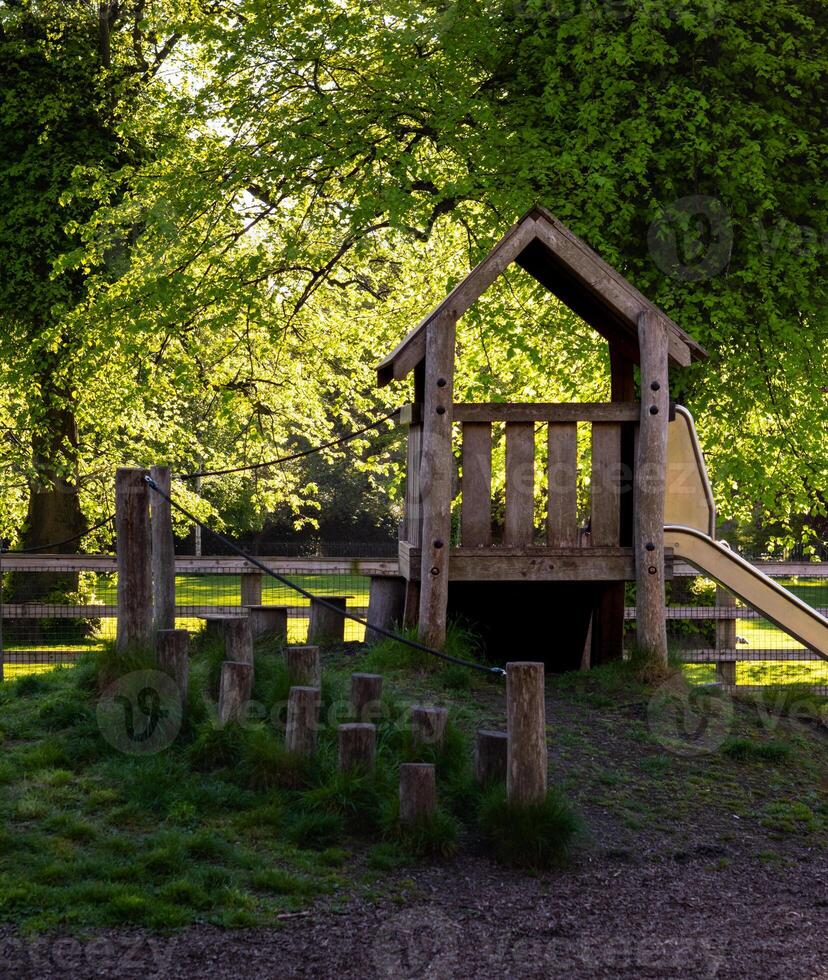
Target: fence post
x=490 y=757
x=303 y=665
x=428 y=725
x=134 y=544
x=726 y=637
x=418 y=792
x=251 y=588
x=234 y=691
x=526 y=727
x=172 y=649
x=357 y=744
x=366 y=695
x=163 y=551
x=238 y=639
x=302 y=720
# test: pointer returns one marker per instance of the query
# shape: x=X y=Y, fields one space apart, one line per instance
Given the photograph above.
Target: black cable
x=287 y=459
x=59 y=544
x=498 y=671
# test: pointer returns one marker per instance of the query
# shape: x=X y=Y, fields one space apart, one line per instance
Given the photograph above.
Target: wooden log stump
x=251 y=588
x=238 y=639
x=172 y=651
x=302 y=720
x=428 y=725
x=386 y=605
x=326 y=625
x=366 y=696
x=163 y=551
x=357 y=746
x=527 y=761
x=132 y=527
x=234 y=691
x=304 y=666
x=490 y=757
x=418 y=792
x=267 y=621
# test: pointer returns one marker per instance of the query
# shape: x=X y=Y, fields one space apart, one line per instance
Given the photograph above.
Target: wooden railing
x=609 y=478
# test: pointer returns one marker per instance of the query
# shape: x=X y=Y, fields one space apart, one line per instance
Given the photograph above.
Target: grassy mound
x=212 y=824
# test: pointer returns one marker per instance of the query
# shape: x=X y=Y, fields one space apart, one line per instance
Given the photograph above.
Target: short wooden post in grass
x=490 y=757
x=302 y=720
x=418 y=792
x=428 y=725
x=268 y=621
x=526 y=768
x=238 y=639
x=172 y=650
x=251 y=588
x=163 y=551
x=366 y=695
x=357 y=746
x=234 y=690
x=132 y=526
x=386 y=605
x=726 y=637
x=304 y=666
x=326 y=623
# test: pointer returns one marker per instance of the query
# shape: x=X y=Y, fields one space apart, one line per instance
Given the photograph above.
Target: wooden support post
x=163 y=551
x=428 y=725
x=607 y=640
x=134 y=547
x=413 y=503
x=476 y=506
x=386 y=604
x=726 y=637
x=251 y=588
x=304 y=666
x=234 y=690
x=172 y=649
x=650 y=478
x=490 y=757
x=435 y=476
x=327 y=625
x=418 y=792
x=268 y=621
x=366 y=696
x=411 y=615
x=527 y=762
x=302 y=720
x=238 y=640
x=357 y=746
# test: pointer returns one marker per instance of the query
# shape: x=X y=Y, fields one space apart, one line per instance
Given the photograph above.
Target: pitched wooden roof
x=570 y=269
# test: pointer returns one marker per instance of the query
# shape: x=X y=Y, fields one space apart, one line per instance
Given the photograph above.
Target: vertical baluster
x=519 y=528
x=606 y=490
x=476 y=509
x=562 y=515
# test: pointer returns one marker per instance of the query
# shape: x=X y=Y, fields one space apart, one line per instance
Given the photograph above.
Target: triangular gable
x=567 y=267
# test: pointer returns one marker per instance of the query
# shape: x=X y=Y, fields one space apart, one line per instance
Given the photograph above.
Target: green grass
x=223 y=825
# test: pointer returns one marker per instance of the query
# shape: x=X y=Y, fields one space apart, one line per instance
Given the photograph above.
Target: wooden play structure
x=562 y=590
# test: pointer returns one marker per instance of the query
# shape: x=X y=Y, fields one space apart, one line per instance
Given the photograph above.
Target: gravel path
x=472 y=919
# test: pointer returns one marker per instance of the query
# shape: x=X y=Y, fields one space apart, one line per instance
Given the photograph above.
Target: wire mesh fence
x=56 y=608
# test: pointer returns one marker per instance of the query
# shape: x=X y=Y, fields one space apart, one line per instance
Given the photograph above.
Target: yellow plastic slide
x=690 y=529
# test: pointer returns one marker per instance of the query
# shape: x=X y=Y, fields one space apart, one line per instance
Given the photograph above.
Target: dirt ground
x=636 y=918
